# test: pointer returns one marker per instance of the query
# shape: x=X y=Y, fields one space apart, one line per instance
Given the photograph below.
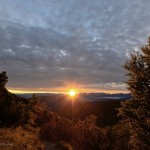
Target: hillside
x=41 y=123
x=105 y=110
x=24 y=124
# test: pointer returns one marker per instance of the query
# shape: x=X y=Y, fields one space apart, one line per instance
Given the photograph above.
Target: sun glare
x=72 y=93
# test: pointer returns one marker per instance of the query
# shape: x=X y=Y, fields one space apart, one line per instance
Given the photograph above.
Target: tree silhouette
x=136 y=111
x=3 y=78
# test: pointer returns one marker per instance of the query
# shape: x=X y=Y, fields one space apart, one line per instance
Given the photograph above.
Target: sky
x=54 y=45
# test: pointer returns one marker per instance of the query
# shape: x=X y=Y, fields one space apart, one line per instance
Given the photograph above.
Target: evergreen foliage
x=15 y=109
x=136 y=111
x=3 y=79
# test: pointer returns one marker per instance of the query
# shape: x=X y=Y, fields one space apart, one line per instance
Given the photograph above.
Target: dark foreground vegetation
x=28 y=124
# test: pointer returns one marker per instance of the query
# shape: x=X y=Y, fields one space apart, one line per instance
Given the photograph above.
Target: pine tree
x=136 y=111
x=3 y=79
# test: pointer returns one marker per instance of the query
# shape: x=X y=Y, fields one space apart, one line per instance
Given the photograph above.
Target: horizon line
x=44 y=92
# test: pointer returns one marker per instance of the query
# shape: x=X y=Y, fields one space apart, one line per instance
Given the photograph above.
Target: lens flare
x=72 y=93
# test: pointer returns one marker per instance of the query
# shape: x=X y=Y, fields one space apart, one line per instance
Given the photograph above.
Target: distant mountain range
x=85 y=96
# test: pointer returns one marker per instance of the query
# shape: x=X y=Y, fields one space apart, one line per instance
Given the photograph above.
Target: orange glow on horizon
x=68 y=87
x=63 y=91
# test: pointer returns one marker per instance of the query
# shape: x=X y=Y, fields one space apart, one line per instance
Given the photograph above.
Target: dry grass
x=19 y=139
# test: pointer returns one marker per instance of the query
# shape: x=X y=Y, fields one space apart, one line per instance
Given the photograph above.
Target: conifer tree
x=3 y=79
x=136 y=111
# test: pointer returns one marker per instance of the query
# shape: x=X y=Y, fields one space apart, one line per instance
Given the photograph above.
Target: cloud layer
x=44 y=44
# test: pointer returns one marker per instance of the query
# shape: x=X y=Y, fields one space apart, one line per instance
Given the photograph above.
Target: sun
x=72 y=93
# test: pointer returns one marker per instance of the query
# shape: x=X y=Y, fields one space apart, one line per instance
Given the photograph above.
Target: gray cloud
x=45 y=43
